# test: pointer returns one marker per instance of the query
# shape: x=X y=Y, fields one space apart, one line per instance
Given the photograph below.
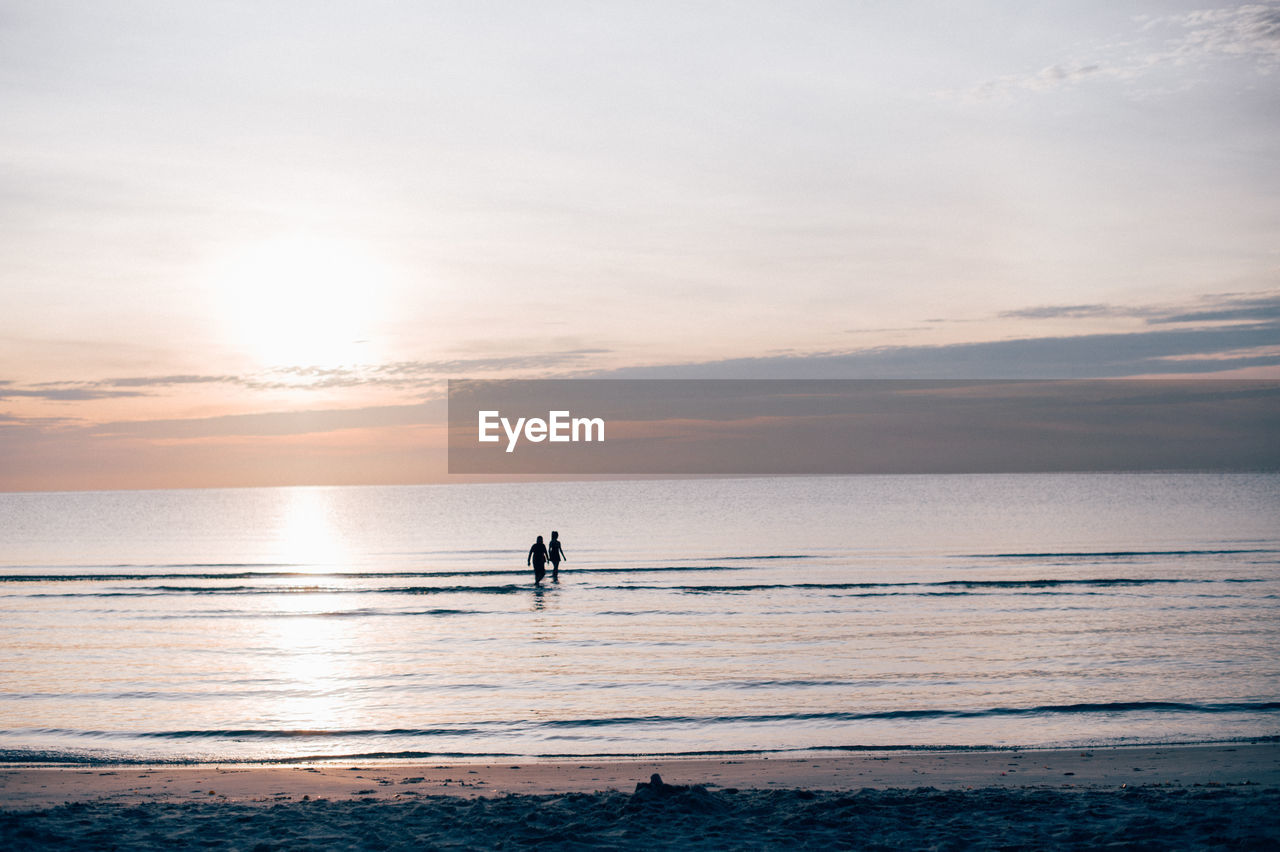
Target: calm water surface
x=692 y=616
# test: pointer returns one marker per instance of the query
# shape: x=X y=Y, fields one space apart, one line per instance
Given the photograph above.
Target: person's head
x=539 y=539
x=554 y=535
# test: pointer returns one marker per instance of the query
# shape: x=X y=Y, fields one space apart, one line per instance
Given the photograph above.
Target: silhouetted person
x=556 y=553
x=538 y=559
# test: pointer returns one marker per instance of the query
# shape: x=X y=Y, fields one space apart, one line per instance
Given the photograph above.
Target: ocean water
x=692 y=616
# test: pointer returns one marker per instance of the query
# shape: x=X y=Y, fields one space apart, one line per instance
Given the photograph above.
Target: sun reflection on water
x=313 y=664
x=306 y=535
x=313 y=649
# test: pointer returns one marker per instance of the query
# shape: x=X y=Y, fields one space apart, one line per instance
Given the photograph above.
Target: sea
x=708 y=616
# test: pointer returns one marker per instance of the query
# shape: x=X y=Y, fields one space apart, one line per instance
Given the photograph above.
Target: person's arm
x=529 y=559
x=562 y=556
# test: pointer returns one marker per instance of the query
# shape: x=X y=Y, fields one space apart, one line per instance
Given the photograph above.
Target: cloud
x=32 y=447
x=162 y=381
x=1248 y=33
x=884 y=329
x=64 y=394
x=413 y=374
x=276 y=422
x=1231 y=308
x=1162 y=348
x=1232 y=331
x=114 y=388
x=1251 y=31
x=1070 y=312
x=1116 y=355
x=396 y=375
x=1230 y=355
x=1215 y=307
x=12 y=421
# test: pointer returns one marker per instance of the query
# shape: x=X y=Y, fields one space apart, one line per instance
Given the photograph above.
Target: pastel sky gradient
x=246 y=243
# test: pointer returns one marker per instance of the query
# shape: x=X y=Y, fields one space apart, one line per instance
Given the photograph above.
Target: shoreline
x=36 y=787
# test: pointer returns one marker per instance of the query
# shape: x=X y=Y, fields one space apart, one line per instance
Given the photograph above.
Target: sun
x=300 y=300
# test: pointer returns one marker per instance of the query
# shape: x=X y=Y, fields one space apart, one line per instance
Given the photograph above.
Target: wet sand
x=1207 y=796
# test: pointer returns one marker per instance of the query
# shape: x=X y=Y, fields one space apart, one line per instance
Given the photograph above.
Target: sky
x=248 y=244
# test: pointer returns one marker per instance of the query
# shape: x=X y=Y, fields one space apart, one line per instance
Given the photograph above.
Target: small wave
x=367 y=612
x=489 y=727
x=1113 y=554
x=163 y=565
x=260 y=733
x=158 y=591
x=491 y=551
x=923 y=713
x=769 y=556
x=248 y=575
x=344 y=575
x=28 y=757
x=510 y=589
x=1035 y=584
x=947 y=585
x=937 y=588
x=346 y=613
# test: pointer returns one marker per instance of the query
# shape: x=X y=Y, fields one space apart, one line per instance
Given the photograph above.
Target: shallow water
x=692 y=616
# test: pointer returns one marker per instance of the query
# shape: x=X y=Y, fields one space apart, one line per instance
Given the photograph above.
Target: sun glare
x=300 y=300
x=305 y=535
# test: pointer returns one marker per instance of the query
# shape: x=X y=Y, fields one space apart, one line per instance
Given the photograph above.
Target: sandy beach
x=1208 y=796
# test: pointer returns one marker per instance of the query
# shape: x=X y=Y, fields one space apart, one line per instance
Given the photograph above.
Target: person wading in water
x=555 y=553
x=538 y=559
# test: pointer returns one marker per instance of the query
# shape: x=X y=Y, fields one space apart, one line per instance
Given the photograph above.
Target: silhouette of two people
x=540 y=554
